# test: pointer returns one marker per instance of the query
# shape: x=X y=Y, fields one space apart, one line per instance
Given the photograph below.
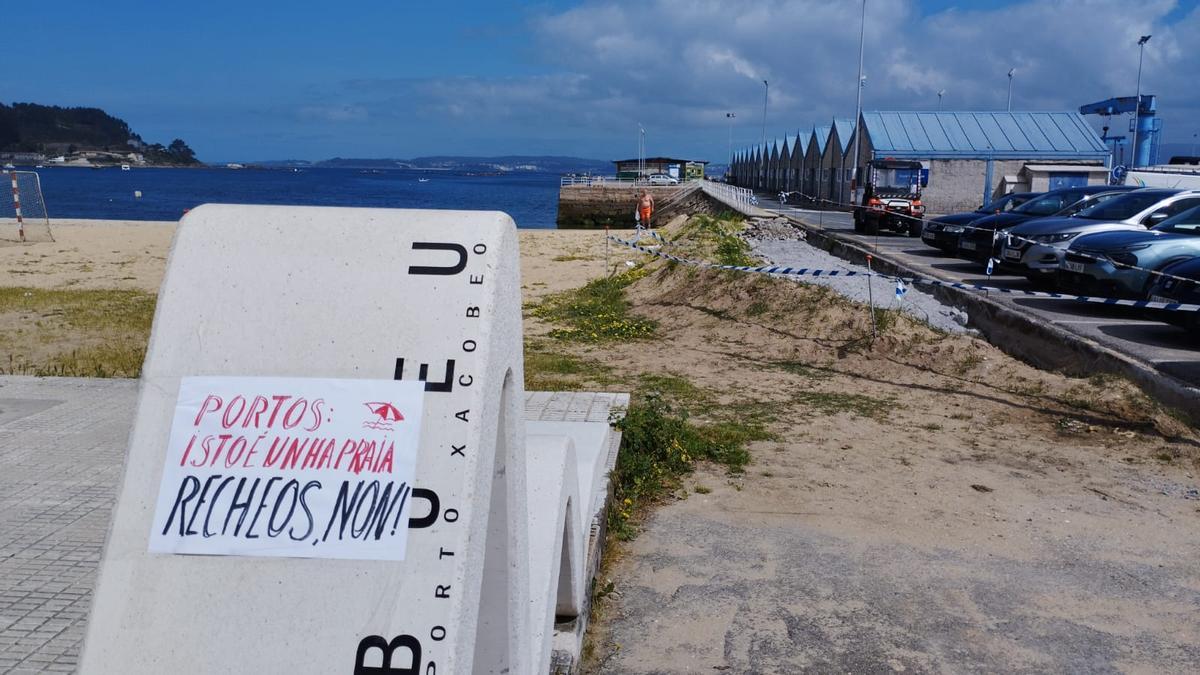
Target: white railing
x=589 y=181
x=730 y=193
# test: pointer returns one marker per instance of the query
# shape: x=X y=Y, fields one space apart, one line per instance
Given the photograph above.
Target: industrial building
x=682 y=169
x=967 y=157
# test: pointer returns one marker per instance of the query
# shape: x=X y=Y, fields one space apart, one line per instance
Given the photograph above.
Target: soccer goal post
x=23 y=216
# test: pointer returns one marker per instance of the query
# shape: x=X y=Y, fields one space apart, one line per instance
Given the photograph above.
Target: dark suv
x=942 y=232
x=978 y=242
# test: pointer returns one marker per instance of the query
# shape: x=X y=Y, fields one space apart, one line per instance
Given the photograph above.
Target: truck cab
x=891 y=198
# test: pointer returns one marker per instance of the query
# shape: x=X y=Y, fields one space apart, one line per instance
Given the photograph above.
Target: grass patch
x=799 y=368
x=659 y=445
x=596 y=312
x=757 y=308
x=675 y=389
x=716 y=239
x=553 y=371
x=77 y=333
x=833 y=403
x=571 y=258
x=966 y=364
x=662 y=439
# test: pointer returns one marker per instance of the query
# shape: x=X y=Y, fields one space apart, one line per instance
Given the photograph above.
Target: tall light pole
x=1137 y=101
x=762 y=171
x=862 y=31
x=641 y=165
x=941 y=93
x=1010 y=76
x=729 y=167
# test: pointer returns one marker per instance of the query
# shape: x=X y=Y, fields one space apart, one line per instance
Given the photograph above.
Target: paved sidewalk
x=61 y=444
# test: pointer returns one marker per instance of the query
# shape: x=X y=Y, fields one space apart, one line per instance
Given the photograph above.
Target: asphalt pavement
x=1167 y=348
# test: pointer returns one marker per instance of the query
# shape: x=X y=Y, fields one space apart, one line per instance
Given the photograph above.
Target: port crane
x=1144 y=119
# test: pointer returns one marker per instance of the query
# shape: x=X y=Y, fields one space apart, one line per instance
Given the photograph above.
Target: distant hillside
x=504 y=163
x=84 y=133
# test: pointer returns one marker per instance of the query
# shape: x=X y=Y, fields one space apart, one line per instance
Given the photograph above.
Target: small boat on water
x=124 y=167
x=9 y=166
x=422 y=180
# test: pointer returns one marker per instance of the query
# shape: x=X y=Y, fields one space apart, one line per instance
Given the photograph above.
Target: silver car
x=1035 y=248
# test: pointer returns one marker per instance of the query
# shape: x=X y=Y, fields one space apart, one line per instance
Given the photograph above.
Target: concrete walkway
x=62 y=447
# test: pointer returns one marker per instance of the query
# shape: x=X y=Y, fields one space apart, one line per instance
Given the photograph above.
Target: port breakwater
x=600 y=205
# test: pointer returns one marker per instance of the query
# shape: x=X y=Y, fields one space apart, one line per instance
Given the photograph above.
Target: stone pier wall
x=587 y=207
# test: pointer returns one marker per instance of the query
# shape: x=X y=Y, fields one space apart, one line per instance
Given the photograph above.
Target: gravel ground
x=781 y=244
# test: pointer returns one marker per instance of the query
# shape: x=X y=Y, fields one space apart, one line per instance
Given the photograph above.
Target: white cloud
x=692 y=61
x=678 y=66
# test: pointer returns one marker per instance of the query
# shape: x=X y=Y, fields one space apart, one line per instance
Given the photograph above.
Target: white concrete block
x=337 y=293
x=556 y=547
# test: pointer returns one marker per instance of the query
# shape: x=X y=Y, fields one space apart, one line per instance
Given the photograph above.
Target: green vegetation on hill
x=54 y=130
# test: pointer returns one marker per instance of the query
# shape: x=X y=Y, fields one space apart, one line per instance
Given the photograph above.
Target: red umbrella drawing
x=386 y=411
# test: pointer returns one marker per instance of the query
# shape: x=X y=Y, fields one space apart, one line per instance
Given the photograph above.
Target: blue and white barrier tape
x=806 y=272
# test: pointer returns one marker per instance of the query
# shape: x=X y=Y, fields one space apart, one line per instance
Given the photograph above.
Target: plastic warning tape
x=806 y=272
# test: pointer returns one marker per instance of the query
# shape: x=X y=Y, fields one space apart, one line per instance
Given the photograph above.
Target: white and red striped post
x=17 y=206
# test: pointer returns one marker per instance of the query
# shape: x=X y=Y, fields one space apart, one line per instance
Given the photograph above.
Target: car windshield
x=1088 y=202
x=1124 y=207
x=1006 y=203
x=899 y=179
x=1187 y=222
x=1045 y=205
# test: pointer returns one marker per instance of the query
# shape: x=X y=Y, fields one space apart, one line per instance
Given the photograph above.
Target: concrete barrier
x=419 y=306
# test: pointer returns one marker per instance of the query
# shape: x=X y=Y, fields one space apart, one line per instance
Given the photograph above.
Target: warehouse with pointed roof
x=967 y=157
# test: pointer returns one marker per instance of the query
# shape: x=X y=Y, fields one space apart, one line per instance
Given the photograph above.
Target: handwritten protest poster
x=289 y=467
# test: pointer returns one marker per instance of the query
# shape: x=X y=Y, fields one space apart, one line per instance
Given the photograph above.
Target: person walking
x=645 y=209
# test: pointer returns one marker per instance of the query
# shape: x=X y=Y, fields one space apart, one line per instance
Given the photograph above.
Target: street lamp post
x=729 y=167
x=862 y=30
x=762 y=171
x=1137 y=101
x=641 y=151
x=1010 y=78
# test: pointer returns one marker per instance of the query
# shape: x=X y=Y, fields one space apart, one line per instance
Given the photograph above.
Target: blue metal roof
x=822 y=136
x=845 y=129
x=1024 y=135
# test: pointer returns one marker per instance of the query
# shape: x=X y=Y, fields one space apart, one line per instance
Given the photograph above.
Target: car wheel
x=858 y=222
x=915 y=227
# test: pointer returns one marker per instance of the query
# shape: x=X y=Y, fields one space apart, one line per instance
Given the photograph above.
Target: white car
x=662 y=179
x=1035 y=248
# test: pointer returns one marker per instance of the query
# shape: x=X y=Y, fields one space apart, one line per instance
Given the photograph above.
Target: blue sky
x=267 y=80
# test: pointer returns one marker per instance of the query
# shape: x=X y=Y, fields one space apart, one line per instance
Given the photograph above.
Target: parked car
x=942 y=232
x=662 y=179
x=1186 y=291
x=1038 y=260
x=1114 y=264
x=978 y=241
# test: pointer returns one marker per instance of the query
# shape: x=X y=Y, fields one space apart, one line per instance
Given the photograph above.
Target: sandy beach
x=924 y=502
x=132 y=255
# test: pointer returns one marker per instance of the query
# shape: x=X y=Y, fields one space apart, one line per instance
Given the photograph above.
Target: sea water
x=530 y=198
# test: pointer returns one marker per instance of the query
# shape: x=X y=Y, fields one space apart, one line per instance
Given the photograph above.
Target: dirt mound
x=780 y=321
